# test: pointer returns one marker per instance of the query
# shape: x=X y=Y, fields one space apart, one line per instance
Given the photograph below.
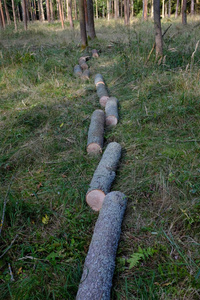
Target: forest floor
x=45 y=170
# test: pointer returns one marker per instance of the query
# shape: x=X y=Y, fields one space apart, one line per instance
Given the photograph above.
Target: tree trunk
x=82 y=24
x=70 y=14
x=145 y=10
x=14 y=16
x=152 y=9
x=42 y=11
x=184 y=15
x=7 y=13
x=48 y=11
x=192 y=7
x=132 y=8
x=2 y=16
x=75 y=10
x=24 y=14
x=177 y=6
x=51 y=10
x=157 y=27
x=90 y=11
x=101 y=90
x=96 y=281
x=60 y=13
x=103 y=176
x=18 y=13
x=169 y=8
x=126 y=12
x=115 y=7
x=163 y=9
x=111 y=110
x=96 y=2
x=96 y=132
x=108 y=9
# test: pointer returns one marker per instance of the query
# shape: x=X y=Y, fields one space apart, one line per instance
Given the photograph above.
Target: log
x=98 y=79
x=96 y=280
x=83 y=64
x=96 y=132
x=85 y=57
x=77 y=71
x=101 y=89
x=104 y=176
x=85 y=75
x=95 y=53
x=111 y=110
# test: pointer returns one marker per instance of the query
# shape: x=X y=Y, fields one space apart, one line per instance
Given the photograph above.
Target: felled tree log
x=95 y=133
x=85 y=57
x=95 y=53
x=85 y=75
x=96 y=280
x=103 y=176
x=111 y=110
x=101 y=89
x=77 y=71
x=83 y=64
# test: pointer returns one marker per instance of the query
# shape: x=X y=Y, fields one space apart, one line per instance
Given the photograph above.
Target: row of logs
x=96 y=280
x=82 y=70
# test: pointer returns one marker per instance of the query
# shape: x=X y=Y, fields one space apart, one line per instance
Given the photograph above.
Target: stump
x=95 y=53
x=83 y=64
x=86 y=75
x=77 y=71
x=104 y=176
x=96 y=132
x=111 y=110
x=96 y=280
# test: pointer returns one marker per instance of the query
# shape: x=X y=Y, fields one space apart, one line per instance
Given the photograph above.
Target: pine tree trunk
x=163 y=9
x=70 y=14
x=169 y=8
x=184 y=14
x=145 y=10
x=60 y=13
x=48 y=11
x=126 y=12
x=82 y=24
x=157 y=27
x=108 y=9
x=2 y=16
x=177 y=6
x=192 y=7
x=7 y=13
x=75 y=10
x=24 y=14
x=91 y=28
x=132 y=8
x=41 y=10
x=51 y=11
x=18 y=14
x=96 y=2
x=14 y=16
x=152 y=9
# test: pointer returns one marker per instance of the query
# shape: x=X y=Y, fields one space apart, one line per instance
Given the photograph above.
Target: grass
x=45 y=171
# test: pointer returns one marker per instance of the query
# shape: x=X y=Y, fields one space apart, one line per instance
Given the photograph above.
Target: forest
x=99 y=149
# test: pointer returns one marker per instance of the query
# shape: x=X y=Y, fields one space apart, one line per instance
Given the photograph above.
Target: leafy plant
x=142 y=254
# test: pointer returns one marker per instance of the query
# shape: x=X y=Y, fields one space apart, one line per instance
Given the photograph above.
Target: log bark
x=111 y=110
x=83 y=64
x=96 y=132
x=77 y=71
x=85 y=75
x=96 y=281
x=103 y=176
x=95 y=53
x=101 y=89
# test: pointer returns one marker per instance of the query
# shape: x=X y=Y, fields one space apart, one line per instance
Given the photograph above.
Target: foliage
x=142 y=254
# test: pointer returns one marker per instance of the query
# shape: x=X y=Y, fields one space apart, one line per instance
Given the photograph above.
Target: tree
x=90 y=12
x=108 y=9
x=48 y=11
x=192 y=8
x=184 y=15
x=126 y=12
x=60 y=13
x=177 y=6
x=14 y=16
x=7 y=13
x=2 y=16
x=82 y=24
x=145 y=9
x=24 y=14
x=157 y=28
x=70 y=13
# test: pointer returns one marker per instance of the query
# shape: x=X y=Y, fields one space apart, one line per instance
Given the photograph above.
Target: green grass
x=45 y=171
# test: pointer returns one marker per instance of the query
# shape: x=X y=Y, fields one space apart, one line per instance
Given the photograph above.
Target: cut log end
x=103 y=100
x=94 y=148
x=95 y=53
x=95 y=199
x=111 y=121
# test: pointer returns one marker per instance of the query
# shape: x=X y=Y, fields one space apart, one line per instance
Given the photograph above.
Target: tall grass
x=45 y=171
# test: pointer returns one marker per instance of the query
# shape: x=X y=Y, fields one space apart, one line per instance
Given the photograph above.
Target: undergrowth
x=45 y=171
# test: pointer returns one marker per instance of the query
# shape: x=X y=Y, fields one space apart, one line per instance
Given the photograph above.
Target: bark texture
x=101 y=89
x=77 y=71
x=96 y=281
x=14 y=16
x=96 y=132
x=69 y=13
x=111 y=110
x=157 y=27
x=90 y=14
x=83 y=64
x=184 y=15
x=103 y=176
x=177 y=6
x=95 y=53
x=145 y=10
x=86 y=75
x=82 y=24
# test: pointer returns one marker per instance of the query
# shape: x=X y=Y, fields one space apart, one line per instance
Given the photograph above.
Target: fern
x=142 y=254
